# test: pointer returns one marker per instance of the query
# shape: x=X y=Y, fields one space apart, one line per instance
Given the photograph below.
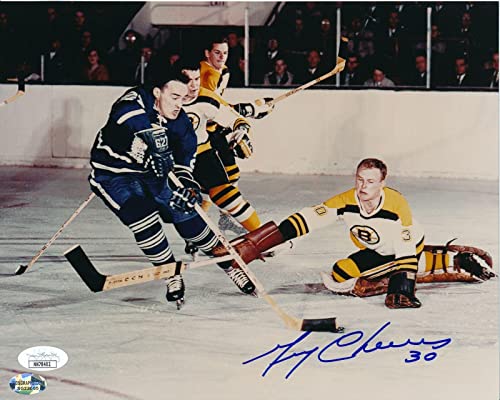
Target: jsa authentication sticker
x=42 y=358
x=28 y=383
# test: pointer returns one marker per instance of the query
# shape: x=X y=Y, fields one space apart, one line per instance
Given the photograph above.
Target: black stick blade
x=21 y=270
x=84 y=267
x=321 y=325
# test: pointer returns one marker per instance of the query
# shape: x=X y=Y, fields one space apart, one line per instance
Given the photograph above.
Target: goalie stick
x=98 y=282
x=318 y=324
x=22 y=268
x=21 y=89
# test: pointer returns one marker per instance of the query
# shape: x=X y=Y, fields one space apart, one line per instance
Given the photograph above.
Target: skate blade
x=179 y=303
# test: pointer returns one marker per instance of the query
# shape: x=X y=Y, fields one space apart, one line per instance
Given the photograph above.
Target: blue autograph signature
x=367 y=345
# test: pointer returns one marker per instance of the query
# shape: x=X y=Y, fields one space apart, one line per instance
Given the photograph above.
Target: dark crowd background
x=83 y=42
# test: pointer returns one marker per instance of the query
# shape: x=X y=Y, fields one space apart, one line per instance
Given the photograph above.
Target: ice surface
x=130 y=344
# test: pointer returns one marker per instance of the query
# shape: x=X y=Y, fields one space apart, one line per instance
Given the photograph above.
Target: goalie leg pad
x=253 y=244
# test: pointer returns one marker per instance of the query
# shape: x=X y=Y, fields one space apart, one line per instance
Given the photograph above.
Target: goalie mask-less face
x=170 y=98
x=369 y=184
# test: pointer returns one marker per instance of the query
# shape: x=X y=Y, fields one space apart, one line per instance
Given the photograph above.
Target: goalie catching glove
x=240 y=141
x=184 y=198
x=152 y=148
x=258 y=109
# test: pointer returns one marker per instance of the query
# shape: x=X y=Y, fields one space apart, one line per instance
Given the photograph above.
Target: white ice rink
x=130 y=344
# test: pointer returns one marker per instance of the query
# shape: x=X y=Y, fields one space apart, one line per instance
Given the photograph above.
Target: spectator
x=312 y=15
x=235 y=52
x=237 y=78
x=313 y=68
x=73 y=35
x=462 y=77
x=491 y=74
x=50 y=27
x=295 y=44
x=412 y=17
x=55 y=68
x=445 y=16
x=268 y=58
x=326 y=43
x=280 y=76
x=94 y=71
x=391 y=43
x=418 y=77
x=147 y=54
x=360 y=41
x=379 y=79
x=124 y=62
x=351 y=75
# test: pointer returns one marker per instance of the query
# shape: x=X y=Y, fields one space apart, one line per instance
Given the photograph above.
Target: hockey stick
x=338 y=68
x=319 y=324
x=22 y=268
x=20 y=92
x=98 y=282
x=341 y=61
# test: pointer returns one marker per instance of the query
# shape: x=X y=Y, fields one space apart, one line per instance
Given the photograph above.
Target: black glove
x=258 y=109
x=184 y=198
x=467 y=262
x=157 y=155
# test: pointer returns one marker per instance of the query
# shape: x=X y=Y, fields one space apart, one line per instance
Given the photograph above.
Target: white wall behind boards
x=436 y=134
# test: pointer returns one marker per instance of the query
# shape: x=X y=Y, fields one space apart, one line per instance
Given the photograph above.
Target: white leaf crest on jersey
x=138 y=149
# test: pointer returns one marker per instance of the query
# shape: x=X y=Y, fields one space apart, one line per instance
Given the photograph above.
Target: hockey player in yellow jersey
x=214 y=76
x=201 y=106
x=389 y=239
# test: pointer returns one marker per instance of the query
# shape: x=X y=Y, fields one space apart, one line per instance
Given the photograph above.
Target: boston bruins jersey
x=212 y=79
x=388 y=230
x=208 y=107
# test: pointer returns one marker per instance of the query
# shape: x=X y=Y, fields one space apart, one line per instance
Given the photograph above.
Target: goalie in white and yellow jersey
x=390 y=242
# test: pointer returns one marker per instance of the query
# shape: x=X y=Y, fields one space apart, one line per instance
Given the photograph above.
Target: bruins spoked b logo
x=365 y=234
x=195 y=120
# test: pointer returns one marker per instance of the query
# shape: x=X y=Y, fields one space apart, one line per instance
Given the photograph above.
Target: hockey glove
x=257 y=109
x=467 y=262
x=241 y=143
x=157 y=155
x=184 y=198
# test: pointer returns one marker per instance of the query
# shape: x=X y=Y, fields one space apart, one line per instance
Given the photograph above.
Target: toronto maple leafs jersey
x=116 y=147
x=388 y=230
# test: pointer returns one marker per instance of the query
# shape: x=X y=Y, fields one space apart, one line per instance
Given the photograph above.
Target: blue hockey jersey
x=116 y=147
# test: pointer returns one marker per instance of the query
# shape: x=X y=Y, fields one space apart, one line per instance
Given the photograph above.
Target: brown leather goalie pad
x=251 y=245
x=365 y=287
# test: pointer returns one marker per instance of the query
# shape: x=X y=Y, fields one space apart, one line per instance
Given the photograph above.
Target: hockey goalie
x=392 y=256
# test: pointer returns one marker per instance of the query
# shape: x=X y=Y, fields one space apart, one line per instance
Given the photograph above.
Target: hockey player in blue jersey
x=147 y=135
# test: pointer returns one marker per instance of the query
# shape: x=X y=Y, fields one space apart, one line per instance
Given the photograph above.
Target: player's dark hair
x=191 y=63
x=373 y=163
x=167 y=75
x=214 y=39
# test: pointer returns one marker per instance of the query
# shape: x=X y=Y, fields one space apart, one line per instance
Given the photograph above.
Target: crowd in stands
x=387 y=45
